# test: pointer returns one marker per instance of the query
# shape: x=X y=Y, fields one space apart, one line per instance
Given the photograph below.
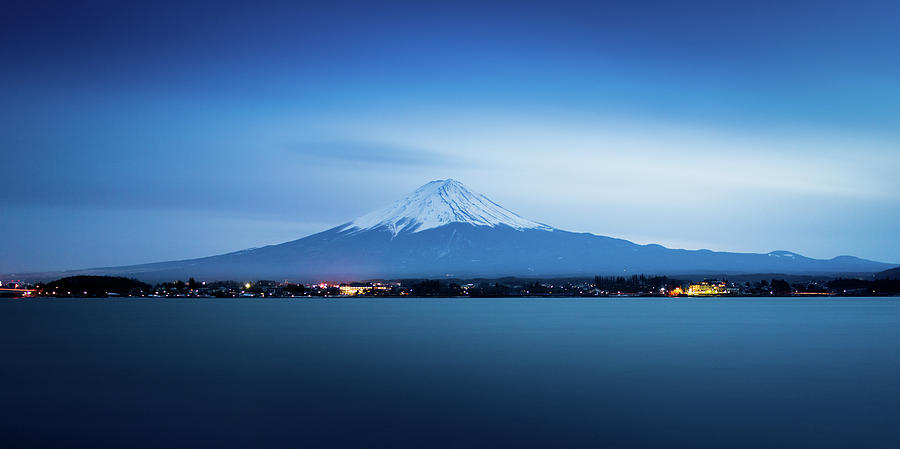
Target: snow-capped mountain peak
x=439 y=203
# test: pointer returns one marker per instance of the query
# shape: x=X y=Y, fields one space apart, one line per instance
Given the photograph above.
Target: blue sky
x=137 y=133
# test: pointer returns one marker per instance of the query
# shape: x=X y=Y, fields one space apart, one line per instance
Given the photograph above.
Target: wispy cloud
x=370 y=152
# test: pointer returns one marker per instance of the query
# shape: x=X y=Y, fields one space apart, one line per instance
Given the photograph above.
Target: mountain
x=444 y=229
x=893 y=273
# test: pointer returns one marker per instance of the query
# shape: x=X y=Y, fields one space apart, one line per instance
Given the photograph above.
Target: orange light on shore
x=677 y=291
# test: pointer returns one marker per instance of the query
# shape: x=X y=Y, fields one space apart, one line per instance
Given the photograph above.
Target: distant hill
x=893 y=273
x=444 y=229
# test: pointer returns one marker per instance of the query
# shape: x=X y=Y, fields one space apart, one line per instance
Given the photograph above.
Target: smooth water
x=313 y=373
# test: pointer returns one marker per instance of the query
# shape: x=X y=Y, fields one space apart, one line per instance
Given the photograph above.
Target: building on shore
x=355 y=288
x=363 y=288
x=707 y=288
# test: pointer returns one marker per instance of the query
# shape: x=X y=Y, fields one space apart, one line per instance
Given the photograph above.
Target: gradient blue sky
x=138 y=133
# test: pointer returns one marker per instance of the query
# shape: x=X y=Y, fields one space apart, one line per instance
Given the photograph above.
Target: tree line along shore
x=599 y=286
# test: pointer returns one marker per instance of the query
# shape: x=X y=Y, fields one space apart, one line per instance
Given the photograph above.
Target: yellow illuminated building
x=354 y=289
x=707 y=289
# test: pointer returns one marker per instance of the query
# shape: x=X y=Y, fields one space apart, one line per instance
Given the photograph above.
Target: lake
x=316 y=373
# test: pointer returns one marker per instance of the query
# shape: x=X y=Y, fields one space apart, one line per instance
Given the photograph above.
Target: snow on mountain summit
x=439 y=203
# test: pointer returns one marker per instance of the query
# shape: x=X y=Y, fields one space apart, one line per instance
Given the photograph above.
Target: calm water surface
x=654 y=373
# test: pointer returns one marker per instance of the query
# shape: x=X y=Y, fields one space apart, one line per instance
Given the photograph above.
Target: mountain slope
x=444 y=229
